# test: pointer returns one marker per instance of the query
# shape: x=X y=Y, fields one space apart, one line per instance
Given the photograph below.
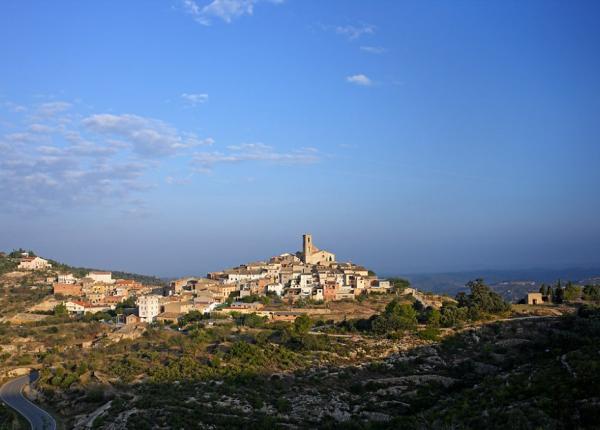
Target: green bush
x=430 y=333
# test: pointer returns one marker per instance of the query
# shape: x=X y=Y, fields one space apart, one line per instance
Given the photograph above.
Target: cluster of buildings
x=311 y=274
x=308 y=275
x=95 y=292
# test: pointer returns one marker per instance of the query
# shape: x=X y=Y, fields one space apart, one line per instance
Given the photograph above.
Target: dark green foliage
x=60 y=310
x=572 y=292
x=17 y=253
x=484 y=299
x=302 y=324
x=8 y=264
x=397 y=316
x=10 y=420
x=399 y=284
x=591 y=293
x=430 y=333
x=251 y=320
x=481 y=301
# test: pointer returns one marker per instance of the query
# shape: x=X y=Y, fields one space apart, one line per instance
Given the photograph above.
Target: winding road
x=11 y=393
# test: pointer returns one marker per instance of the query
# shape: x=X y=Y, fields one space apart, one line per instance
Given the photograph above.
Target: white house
x=79 y=307
x=243 y=275
x=66 y=278
x=275 y=288
x=148 y=307
x=105 y=277
x=33 y=263
x=75 y=307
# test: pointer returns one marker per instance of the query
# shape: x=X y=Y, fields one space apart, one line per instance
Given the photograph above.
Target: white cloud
x=14 y=107
x=149 y=137
x=40 y=128
x=205 y=161
x=227 y=10
x=194 y=99
x=53 y=108
x=373 y=49
x=54 y=159
x=359 y=79
x=20 y=137
x=353 y=32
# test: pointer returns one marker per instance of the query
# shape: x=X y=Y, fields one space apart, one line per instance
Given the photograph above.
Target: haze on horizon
x=177 y=137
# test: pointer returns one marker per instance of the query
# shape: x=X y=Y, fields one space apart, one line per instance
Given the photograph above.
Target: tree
x=452 y=315
x=591 y=292
x=483 y=298
x=302 y=324
x=433 y=317
x=399 y=284
x=61 y=310
x=558 y=295
x=251 y=320
x=397 y=316
x=571 y=292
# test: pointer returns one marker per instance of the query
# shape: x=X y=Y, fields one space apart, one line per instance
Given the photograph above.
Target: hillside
x=511 y=284
x=520 y=374
x=10 y=261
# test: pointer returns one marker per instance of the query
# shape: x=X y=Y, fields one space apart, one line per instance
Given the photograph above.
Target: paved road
x=11 y=393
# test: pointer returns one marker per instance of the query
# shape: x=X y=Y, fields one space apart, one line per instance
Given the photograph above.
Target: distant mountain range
x=511 y=284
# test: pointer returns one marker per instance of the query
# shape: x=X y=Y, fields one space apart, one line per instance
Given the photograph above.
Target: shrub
x=430 y=333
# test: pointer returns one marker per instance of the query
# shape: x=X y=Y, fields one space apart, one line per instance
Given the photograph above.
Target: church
x=312 y=255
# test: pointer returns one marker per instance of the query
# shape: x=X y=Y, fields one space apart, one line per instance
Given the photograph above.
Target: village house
x=81 y=307
x=535 y=299
x=148 y=307
x=105 y=277
x=67 y=289
x=132 y=319
x=128 y=284
x=66 y=278
x=178 y=307
x=33 y=263
x=167 y=317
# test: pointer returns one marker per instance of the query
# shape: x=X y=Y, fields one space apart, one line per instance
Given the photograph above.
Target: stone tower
x=307 y=247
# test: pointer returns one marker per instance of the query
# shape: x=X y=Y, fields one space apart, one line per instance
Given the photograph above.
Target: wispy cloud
x=14 y=107
x=58 y=160
x=353 y=32
x=359 y=79
x=373 y=49
x=205 y=161
x=194 y=99
x=53 y=108
x=226 y=10
x=149 y=137
x=73 y=160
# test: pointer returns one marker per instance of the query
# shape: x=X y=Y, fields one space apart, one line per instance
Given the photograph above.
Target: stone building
x=312 y=255
x=534 y=299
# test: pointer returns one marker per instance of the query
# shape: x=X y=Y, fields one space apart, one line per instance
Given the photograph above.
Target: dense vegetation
x=399 y=316
x=247 y=372
x=9 y=420
x=569 y=292
x=519 y=375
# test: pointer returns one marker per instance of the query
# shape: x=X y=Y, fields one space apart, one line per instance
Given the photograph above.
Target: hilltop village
x=307 y=276
x=296 y=341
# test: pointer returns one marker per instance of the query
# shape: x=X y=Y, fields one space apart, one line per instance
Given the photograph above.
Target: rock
x=484 y=369
x=375 y=416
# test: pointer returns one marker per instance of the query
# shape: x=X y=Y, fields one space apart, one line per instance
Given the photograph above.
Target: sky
x=176 y=137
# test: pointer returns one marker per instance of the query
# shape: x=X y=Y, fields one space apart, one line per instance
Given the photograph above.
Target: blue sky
x=177 y=137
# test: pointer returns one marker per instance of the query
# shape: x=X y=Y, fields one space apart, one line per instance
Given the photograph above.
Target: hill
x=10 y=261
x=511 y=284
